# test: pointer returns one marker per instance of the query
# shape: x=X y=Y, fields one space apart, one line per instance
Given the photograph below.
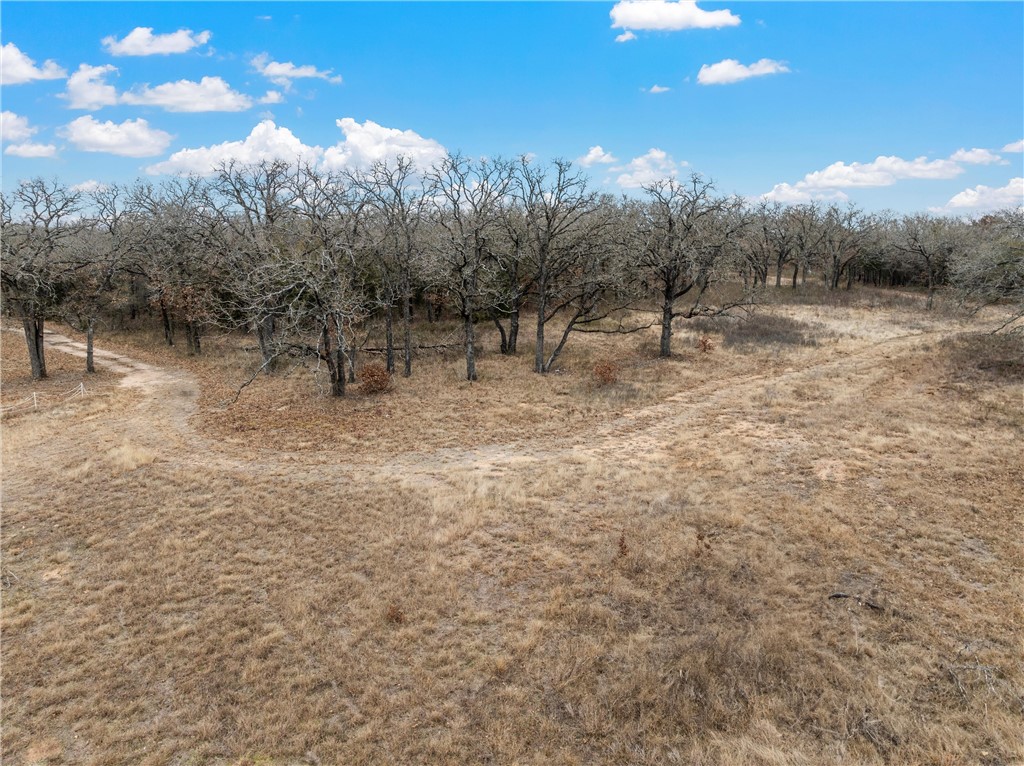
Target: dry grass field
x=802 y=546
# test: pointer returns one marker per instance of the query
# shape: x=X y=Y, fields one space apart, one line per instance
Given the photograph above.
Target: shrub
x=606 y=372
x=705 y=344
x=374 y=379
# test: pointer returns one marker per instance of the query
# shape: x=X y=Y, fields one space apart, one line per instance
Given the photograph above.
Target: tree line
x=312 y=262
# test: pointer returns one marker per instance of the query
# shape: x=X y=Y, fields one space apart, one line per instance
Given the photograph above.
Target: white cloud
x=1016 y=146
x=625 y=37
x=14 y=127
x=210 y=94
x=88 y=89
x=791 y=195
x=882 y=171
x=730 y=70
x=656 y=165
x=657 y=89
x=131 y=138
x=987 y=198
x=272 y=97
x=17 y=68
x=142 y=42
x=89 y=186
x=31 y=150
x=265 y=142
x=977 y=157
x=282 y=73
x=668 y=15
x=368 y=142
x=594 y=156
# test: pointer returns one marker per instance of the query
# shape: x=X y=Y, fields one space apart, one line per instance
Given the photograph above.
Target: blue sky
x=908 y=106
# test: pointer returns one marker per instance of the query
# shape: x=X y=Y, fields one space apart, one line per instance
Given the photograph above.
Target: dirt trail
x=169 y=399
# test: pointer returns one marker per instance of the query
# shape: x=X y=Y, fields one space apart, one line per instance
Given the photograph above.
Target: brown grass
x=529 y=569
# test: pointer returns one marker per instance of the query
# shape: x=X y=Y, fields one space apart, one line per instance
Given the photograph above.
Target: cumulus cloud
x=89 y=186
x=977 y=157
x=142 y=42
x=16 y=68
x=1016 y=146
x=791 y=195
x=131 y=138
x=596 y=156
x=87 y=88
x=657 y=89
x=369 y=142
x=987 y=198
x=730 y=70
x=656 y=165
x=666 y=15
x=210 y=94
x=283 y=73
x=266 y=142
x=882 y=171
x=272 y=97
x=625 y=37
x=14 y=127
x=30 y=150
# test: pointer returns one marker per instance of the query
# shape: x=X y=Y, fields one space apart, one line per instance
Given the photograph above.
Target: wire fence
x=37 y=400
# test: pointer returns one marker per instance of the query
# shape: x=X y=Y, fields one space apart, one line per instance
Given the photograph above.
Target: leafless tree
x=255 y=205
x=554 y=232
x=843 y=230
x=686 y=235
x=991 y=270
x=38 y=223
x=932 y=241
x=467 y=202
x=396 y=193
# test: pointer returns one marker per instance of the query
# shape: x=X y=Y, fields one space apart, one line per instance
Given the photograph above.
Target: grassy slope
x=529 y=570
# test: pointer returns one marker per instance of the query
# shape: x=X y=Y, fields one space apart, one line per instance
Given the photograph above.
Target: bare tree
x=686 y=233
x=397 y=194
x=553 y=233
x=328 y=290
x=37 y=226
x=254 y=202
x=931 y=241
x=991 y=270
x=467 y=202
x=180 y=243
x=843 y=230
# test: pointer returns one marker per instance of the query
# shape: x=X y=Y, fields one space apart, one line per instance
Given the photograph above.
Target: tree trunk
x=389 y=339
x=796 y=273
x=931 y=286
x=335 y=361
x=467 y=316
x=192 y=338
x=542 y=308
x=351 y=365
x=502 y=333
x=36 y=350
x=666 y=322
x=407 y=331
x=264 y=337
x=513 y=331
x=90 y=331
x=168 y=325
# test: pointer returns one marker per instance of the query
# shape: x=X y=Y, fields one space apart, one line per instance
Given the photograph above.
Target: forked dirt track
x=168 y=399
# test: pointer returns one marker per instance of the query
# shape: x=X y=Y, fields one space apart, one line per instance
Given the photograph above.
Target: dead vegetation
x=776 y=553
